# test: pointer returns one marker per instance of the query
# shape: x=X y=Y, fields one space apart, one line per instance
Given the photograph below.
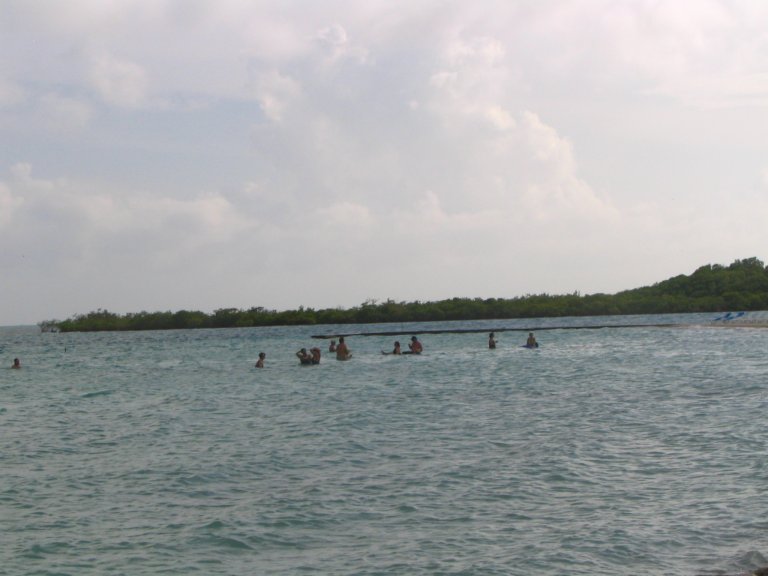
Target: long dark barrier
x=491 y=329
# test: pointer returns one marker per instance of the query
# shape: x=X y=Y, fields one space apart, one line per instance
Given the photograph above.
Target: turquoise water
x=612 y=451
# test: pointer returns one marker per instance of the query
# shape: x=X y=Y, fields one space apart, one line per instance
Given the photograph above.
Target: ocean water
x=611 y=451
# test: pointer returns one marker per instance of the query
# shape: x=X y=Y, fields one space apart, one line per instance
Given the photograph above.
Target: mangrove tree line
x=741 y=286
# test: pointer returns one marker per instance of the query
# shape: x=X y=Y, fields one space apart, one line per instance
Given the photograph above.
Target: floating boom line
x=491 y=329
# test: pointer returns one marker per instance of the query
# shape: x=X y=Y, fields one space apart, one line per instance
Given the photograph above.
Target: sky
x=194 y=155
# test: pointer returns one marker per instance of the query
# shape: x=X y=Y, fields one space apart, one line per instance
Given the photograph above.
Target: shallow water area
x=613 y=451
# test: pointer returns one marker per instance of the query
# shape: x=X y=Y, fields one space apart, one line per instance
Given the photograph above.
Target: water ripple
x=603 y=452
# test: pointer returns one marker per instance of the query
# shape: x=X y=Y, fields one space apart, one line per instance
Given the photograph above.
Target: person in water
x=492 y=341
x=415 y=345
x=342 y=352
x=260 y=361
x=396 y=350
x=531 y=342
x=304 y=357
x=315 y=355
x=332 y=347
x=16 y=363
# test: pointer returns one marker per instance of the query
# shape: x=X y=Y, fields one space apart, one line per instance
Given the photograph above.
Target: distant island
x=742 y=286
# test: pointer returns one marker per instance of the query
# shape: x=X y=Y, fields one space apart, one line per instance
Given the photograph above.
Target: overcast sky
x=199 y=154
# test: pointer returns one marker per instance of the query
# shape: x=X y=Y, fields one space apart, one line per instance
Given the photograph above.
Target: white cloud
x=118 y=81
x=11 y=93
x=333 y=39
x=706 y=54
x=487 y=51
x=64 y=114
x=718 y=90
x=275 y=93
x=557 y=192
x=346 y=215
x=500 y=118
x=8 y=204
x=86 y=221
x=336 y=45
x=589 y=132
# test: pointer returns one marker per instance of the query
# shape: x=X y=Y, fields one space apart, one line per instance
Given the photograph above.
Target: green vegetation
x=742 y=286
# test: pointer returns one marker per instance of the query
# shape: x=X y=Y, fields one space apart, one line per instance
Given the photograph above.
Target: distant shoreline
x=743 y=286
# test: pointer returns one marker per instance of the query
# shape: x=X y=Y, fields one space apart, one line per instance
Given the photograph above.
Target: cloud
x=60 y=216
x=119 y=82
x=511 y=147
x=500 y=118
x=11 y=93
x=451 y=177
x=336 y=45
x=334 y=36
x=275 y=92
x=64 y=114
x=556 y=191
x=346 y=215
x=8 y=205
x=705 y=54
x=719 y=90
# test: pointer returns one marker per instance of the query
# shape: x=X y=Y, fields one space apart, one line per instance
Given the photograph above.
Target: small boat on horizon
x=742 y=320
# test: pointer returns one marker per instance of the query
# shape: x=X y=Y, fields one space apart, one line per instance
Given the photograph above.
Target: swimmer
x=304 y=357
x=415 y=345
x=332 y=347
x=395 y=350
x=16 y=364
x=315 y=355
x=531 y=342
x=492 y=341
x=342 y=352
x=260 y=361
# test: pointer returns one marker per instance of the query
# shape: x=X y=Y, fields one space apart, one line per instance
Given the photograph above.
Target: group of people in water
x=414 y=347
x=341 y=349
x=529 y=343
x=312 y=356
